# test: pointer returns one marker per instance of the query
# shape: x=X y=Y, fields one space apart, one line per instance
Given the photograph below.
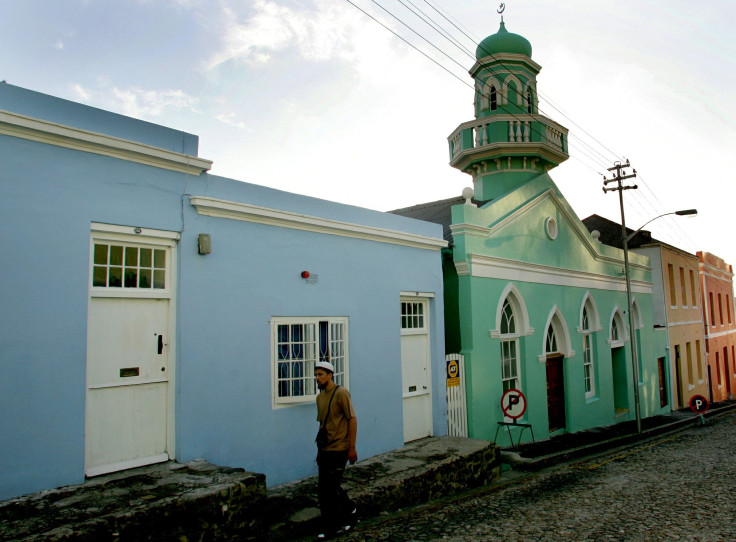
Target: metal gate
x=457 y=413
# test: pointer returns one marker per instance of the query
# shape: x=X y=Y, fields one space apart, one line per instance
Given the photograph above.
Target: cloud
x=135 y=101
x=319 y=33
x=231 y=119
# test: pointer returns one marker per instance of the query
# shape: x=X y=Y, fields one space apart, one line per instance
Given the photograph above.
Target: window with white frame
x=588 y=367
x=298 y=344
x=509 y=349
x=121 y=265
x=412 y=315
x=616 y=330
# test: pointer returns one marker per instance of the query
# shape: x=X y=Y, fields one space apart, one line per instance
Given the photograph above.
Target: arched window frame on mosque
x=556 y=336
x=512 y=323
x=512 y=80
x=489 y=94
x=589 y=326
x=616 y=329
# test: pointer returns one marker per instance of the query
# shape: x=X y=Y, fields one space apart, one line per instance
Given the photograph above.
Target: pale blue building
x=153 y=312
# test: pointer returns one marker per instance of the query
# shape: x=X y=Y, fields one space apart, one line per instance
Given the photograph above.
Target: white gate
x=457 y=413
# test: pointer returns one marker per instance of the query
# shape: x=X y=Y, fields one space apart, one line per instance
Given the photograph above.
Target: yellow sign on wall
x=453 y=373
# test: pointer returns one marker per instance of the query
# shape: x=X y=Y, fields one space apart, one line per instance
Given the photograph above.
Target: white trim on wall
x=21 y=126
x=285 y=219
x=499 y=268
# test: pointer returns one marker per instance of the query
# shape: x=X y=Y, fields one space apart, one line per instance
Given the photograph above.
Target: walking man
x=338 y=430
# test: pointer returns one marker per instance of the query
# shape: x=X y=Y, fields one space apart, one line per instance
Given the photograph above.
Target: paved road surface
x=676 y=487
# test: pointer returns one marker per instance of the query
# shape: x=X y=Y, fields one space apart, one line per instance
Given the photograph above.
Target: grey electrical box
x=204 y=243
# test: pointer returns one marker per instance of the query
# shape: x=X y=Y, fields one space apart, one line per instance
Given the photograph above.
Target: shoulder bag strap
x=327 y=414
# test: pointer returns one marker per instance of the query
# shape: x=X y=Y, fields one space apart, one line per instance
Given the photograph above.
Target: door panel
x=415 y=369
x=555 y=393
x=415 y=386
x=127 y=383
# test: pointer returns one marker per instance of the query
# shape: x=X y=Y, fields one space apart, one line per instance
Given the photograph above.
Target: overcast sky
x=315 y=97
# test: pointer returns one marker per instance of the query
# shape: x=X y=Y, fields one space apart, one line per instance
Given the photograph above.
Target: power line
x=582 y=147
x=464 y=50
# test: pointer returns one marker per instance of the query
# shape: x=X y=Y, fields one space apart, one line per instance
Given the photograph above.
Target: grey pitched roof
x=438 y=212
x=611 y=233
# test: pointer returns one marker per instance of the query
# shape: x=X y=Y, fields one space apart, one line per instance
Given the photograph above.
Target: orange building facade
x=678 y=308
x=716 y=284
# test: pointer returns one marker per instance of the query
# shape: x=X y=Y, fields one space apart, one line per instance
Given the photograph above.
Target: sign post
x=699 y=405
x=513 y=405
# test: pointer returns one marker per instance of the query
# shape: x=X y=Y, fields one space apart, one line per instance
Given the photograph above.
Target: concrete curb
x=518 y=462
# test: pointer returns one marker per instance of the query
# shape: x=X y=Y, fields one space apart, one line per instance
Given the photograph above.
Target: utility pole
x=620 y=176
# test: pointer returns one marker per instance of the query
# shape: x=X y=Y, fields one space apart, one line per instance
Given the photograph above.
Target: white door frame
x=164 y=239
x=428 y=394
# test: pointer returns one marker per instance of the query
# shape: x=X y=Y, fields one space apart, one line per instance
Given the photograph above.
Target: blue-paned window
x=298 y=343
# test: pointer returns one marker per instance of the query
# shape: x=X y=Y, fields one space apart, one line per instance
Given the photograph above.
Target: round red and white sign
x=513 y=404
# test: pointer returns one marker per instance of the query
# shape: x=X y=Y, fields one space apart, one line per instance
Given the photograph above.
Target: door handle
x=160 y=344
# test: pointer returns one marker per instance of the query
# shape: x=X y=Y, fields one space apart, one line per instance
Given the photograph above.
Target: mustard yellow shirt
x=341 y=411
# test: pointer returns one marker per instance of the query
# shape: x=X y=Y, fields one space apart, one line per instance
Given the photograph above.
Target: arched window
x=617 y=335
x=588 y=366
x=529 y=101
x=509 y=348
x=550 y=343
x=615 y=331
x=494 y=98
x=511 y=93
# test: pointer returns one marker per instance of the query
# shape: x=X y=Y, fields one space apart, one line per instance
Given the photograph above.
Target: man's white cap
x=326 y=365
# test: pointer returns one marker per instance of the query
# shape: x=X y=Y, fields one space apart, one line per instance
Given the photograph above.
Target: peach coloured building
x=716 y=282
x=678 y=308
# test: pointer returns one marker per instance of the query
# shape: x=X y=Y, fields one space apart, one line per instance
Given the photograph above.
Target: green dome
x=503 y=41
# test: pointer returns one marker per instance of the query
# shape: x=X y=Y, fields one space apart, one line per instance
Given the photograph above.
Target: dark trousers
x=334 y=504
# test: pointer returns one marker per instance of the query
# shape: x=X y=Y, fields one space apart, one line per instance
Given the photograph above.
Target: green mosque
x=535 y=304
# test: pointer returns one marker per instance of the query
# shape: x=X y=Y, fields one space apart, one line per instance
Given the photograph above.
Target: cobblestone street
x=676 y=487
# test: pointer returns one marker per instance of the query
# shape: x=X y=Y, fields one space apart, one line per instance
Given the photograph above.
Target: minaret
x=509 y=142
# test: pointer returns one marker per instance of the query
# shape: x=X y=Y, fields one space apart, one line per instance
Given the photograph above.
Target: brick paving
x=677 y=487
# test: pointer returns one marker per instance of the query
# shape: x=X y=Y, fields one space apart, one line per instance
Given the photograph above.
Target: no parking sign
x=513 y=404
x=699 y=404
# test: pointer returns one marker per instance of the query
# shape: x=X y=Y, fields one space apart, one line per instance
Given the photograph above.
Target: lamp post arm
x=681 y=213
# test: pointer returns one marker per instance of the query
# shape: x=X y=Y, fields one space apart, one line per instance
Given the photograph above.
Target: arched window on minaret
x=494 y=99
x=529 y=101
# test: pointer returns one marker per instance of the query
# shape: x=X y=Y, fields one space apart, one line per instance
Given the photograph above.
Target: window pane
x=146 y=257
x=116 y=255
x=131 y=278
x=144 y=278
x=131 y=257
x=159 y=259
x=100 y=256
x=116 y=277
x=159 y=279
x=99 y=277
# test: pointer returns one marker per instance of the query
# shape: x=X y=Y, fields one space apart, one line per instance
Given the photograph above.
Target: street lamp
x=632 y=331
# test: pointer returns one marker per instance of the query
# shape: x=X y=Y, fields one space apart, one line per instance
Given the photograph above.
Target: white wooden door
x=415 y=369
x=128 y=375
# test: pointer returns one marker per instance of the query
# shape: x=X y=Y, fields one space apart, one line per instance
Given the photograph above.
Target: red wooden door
x=555 y=393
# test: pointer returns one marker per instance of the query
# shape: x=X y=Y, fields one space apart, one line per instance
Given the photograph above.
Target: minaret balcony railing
x=530 y=129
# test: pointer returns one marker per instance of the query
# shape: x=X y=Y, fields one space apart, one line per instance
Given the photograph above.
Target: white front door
x=415 y=369
x=128 y=336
